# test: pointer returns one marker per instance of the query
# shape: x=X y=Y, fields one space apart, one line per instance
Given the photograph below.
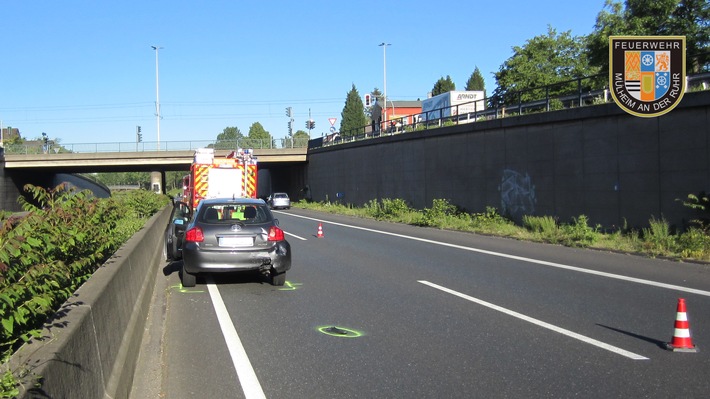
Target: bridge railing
x=38 y=147
x=574 y=93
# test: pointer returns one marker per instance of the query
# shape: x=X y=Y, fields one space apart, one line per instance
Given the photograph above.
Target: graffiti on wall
x=517 y=194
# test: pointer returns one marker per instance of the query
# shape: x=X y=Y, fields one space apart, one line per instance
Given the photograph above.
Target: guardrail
x=574 y=93
x=38 y=147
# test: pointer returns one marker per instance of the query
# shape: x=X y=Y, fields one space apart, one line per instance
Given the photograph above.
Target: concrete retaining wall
x=598 y=161
x=92 y=345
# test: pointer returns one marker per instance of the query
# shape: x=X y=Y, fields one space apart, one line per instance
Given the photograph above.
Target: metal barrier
x=147 y=146
x=581 y=92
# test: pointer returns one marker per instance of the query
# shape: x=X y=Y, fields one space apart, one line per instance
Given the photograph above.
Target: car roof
x=240 y=201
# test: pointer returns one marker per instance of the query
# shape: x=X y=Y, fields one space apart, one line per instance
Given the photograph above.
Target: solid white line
x=295 y=236
x=540 y=323
x=245 y=372
x=529 y=260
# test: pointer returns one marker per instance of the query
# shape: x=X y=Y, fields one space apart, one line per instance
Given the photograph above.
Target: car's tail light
x=276 y=234
x=195 y=234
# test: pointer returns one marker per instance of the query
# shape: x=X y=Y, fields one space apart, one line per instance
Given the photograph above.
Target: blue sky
x=84 y=71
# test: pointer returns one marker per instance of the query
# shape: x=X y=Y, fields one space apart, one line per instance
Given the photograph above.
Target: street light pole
x=157 y=92
x=384 y=56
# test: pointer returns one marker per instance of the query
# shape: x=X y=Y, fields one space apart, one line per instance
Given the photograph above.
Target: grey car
x=234 y=235
x=280 y=200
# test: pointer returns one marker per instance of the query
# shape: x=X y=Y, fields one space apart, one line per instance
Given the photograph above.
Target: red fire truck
x=215 y=177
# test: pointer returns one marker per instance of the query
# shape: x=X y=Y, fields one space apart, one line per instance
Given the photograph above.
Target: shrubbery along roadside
x=49 y=250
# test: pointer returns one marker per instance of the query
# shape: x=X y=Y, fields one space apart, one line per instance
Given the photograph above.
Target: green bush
x=701 y=204
x=47 y=253
x=694 y=243
x=490 y=219
x=579 y=233
x=544 y=227
x=657 y=238
x=540 y=224
x=439 y=213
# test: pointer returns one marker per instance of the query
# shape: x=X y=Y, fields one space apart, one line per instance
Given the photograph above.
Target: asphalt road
x=381 y=310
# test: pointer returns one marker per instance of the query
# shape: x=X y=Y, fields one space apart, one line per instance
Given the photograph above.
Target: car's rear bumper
x=200 y=261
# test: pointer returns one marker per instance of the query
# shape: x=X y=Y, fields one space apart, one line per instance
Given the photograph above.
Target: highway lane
x=437 y=318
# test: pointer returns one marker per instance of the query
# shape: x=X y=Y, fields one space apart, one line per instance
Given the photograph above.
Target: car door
x=175 y=231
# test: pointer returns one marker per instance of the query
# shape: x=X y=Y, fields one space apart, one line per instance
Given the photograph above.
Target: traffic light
x=288 y=111
x=368 y=99
x=311 y=124
x=308 y=124
x=139 y=135
x=290 y=128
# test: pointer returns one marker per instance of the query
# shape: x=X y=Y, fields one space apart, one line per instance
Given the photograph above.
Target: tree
x=228 y=139
x=692 y=19
x=475 y=82
x=376 y=96
x=299 y=140
x=543 y=60
x=443 y=86
x=689 y=18
x=352 y=118
x=259 y=137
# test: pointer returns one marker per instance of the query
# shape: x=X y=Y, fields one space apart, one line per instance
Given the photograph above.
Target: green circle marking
x=341 y=332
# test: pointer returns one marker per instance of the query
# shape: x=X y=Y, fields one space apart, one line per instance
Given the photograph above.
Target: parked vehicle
x=453 y=103
x=234 y=235
x=220 y=177
x=279 y=200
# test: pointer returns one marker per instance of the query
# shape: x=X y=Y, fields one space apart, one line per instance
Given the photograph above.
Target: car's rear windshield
x=279 y=195
x=228 y=213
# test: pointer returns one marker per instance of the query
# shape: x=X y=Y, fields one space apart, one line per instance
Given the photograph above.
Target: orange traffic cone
x=681 y=341
x=320 y=230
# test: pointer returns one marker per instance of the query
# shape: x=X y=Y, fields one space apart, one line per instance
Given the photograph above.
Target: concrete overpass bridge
x=280 y=169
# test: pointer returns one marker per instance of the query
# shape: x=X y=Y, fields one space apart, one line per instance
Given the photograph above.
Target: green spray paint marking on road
x=180 y=288
x=341 y=332
x=289 y=286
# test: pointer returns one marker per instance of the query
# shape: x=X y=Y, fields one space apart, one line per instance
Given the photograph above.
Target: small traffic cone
x=320 y=230
x=681 y=341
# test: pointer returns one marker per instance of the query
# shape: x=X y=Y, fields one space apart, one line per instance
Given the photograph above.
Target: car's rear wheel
x=188 y=280
x=278 y=279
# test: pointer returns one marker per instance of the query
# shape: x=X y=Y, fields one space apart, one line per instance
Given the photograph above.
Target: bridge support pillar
x=157 y=182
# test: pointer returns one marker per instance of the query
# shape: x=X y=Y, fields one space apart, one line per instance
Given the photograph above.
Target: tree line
x=555 y=57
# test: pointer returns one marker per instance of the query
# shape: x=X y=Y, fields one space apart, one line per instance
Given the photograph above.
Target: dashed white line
x=295 y=236
x=524 y=259
x=245 y=371
x=540 y=323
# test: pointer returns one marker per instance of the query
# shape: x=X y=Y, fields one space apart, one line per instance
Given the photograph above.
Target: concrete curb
x=91 y=346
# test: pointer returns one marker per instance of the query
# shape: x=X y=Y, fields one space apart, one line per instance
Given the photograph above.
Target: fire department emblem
x=647 y=73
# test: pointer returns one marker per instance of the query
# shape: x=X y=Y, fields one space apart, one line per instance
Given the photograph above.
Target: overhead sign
x=647 y=73
x=332 y=121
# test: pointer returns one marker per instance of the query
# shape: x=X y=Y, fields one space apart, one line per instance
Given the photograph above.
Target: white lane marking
x=540 y=323
x=295 y=236
x=529 y=260
x=245 y=372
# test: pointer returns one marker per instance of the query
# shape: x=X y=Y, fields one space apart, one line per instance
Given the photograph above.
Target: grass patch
x=656 y=240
